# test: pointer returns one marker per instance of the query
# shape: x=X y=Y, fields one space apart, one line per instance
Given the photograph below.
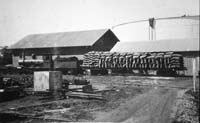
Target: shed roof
x=60 y=39
x=174 y=45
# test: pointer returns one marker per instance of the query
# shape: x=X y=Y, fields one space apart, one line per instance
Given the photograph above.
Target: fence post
x=194 y=73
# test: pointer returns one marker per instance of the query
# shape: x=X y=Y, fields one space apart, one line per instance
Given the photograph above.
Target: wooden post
x=23 y=55
x=194 y=73
x=51 y=63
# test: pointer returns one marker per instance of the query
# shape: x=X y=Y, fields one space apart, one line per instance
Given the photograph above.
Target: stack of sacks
x=86 y=60
x=176 y=61
x=95 y=59
x=136 y=61
x=133 y=60
x=159 y=60
x=144 y=61
x=167 y=60
x=115 y=60
x=128 y=60
x=151 y=60
x=91 y=59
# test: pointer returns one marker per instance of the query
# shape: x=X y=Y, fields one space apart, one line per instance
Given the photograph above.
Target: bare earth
x=136 y=99
x=152 y=107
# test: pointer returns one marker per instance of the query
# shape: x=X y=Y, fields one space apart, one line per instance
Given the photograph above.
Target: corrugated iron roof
x=174 y=45
x=61 y=39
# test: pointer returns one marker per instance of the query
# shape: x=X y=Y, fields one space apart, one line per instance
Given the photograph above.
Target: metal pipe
x=155 y=19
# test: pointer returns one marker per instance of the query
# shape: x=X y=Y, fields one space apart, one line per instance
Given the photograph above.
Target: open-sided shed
x=63 y=43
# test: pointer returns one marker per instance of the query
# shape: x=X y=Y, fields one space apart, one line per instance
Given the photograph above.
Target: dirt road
x=152 y=107
x=131 y=99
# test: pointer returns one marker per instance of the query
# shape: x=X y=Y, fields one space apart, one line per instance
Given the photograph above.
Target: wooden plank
x=85 y=95
x=57 y=110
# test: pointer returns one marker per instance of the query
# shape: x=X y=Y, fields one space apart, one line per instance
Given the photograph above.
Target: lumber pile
x=149 y=61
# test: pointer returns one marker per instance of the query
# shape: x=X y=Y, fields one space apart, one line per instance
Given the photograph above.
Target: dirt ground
x=131 y=99
x=151 y=107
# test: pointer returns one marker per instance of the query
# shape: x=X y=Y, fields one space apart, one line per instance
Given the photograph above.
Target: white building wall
x=177 y=28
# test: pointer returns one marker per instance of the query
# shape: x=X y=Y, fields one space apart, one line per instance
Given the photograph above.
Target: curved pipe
x=125 y=23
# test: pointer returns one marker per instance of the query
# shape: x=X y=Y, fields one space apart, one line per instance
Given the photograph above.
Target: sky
x=19 y=18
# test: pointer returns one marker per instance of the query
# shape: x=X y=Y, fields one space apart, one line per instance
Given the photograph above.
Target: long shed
x=63 y=43
x=189 y=48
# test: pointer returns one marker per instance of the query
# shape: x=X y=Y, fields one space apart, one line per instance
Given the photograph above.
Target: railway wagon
x=162 y=62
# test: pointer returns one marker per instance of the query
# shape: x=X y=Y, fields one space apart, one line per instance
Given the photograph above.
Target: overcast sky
x=19 y=18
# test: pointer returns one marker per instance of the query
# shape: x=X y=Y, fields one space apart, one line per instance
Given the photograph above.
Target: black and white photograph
x=99 y=61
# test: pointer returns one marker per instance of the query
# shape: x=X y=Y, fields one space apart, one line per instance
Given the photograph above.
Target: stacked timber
x=149 y=61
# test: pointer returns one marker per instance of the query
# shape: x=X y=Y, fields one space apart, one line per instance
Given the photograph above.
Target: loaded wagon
x=162 y=62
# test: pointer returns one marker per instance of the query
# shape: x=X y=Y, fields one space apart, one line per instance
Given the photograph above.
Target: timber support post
x=194 y=72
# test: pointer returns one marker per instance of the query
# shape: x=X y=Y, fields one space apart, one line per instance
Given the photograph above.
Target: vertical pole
x=154 y=33
x=149 y=33
x=194 y=73
x=51 y=63
x=151 y=28
x=23 y=55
